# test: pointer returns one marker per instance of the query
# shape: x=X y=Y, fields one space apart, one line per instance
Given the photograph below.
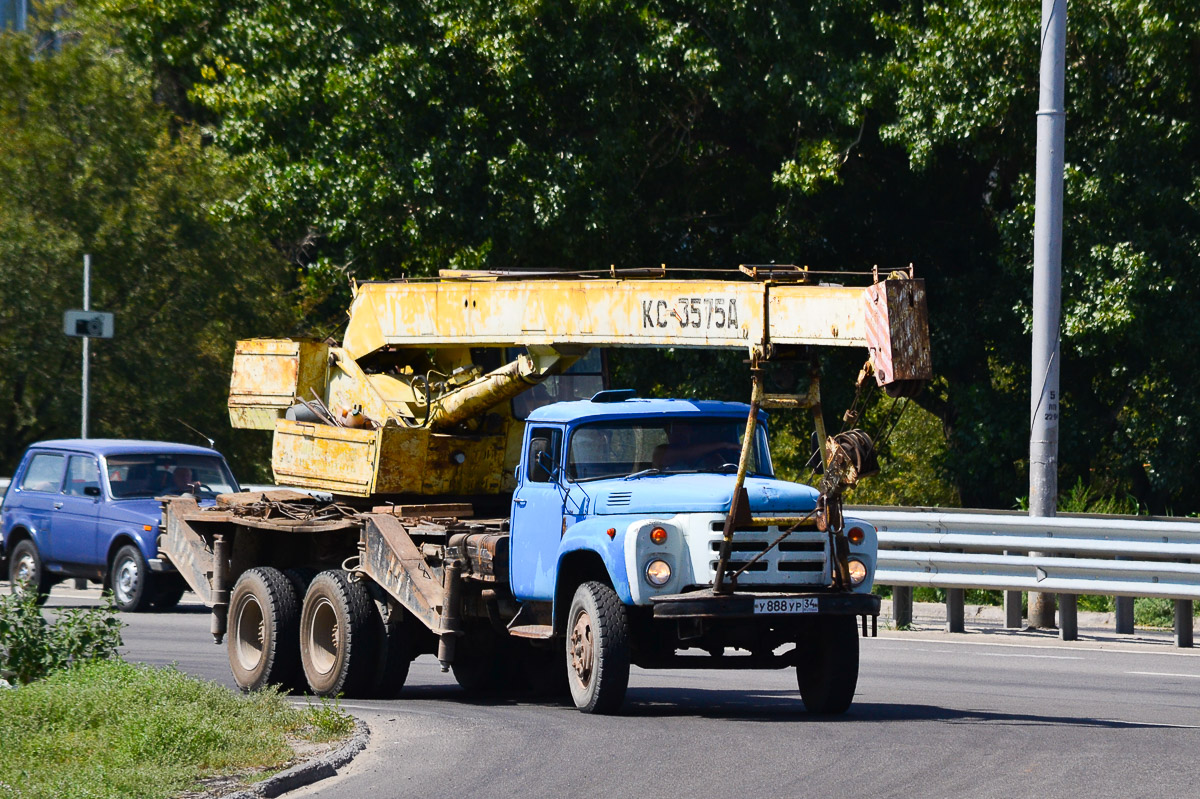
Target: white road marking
x=1102 y=647
x=1164 y=674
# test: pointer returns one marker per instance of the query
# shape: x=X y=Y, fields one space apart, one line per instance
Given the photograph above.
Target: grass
x=111 y=729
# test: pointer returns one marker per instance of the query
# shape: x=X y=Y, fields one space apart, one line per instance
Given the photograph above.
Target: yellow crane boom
x=405 y=407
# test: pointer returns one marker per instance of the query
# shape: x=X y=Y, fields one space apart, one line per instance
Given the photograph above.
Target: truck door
x=73 y=537
x=537 y=516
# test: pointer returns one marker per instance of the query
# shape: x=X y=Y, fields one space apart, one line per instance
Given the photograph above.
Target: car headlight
x=658 y=572
x=858 y=571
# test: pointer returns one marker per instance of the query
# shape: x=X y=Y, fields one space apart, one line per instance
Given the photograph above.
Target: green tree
x=965 y=82
x=90 y=164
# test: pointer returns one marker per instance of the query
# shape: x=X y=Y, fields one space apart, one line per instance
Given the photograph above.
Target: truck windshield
x=661 y=446
x=132 y=476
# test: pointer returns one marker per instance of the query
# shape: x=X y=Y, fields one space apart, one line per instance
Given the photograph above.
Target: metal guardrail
x=1074 y=554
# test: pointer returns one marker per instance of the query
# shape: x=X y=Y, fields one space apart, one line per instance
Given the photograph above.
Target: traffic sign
x=91 y=324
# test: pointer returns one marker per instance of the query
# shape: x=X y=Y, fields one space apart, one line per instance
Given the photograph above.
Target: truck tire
x=483 y=661
x=264 y=630
x=25 y=572
x=827 y=673
x=597 y=649
x=129 y=579
x=168 y=591
x=337 y=635
x=392 y=657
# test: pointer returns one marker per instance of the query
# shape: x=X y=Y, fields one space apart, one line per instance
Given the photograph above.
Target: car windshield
x=663 y=446
x=132 y=476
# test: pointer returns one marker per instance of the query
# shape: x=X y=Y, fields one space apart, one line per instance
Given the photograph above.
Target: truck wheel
x=168 y=592
x=129 y=578
x=828 y=672
x=264 y=630
x=481 y=661
x=392 y=658
x=25 y=572
x=337 y=628
x=597 y=649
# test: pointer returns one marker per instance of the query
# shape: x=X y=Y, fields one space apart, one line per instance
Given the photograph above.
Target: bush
x=32 y=647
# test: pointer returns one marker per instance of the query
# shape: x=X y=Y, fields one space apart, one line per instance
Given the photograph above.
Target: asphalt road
x=989 y=714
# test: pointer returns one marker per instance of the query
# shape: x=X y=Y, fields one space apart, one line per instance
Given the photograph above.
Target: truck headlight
x=858 y=571
x=658 y=572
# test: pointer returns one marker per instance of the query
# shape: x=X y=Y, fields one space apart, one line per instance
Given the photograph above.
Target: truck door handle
x=57 y=505
x=520 y=503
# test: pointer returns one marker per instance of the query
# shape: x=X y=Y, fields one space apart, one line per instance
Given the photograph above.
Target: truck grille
x=800 y=559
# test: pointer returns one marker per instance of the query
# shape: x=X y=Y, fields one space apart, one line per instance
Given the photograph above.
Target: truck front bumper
x=744 y=605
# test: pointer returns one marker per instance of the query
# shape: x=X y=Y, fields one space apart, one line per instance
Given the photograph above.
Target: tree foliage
x=90 y=164
x=381 y=138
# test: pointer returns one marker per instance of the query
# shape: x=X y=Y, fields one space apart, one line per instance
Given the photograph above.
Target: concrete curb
x=310 y=771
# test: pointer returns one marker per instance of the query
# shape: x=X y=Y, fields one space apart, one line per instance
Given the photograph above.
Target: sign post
x=87 y=324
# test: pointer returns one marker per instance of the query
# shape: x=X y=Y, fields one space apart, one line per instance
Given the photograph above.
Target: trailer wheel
x=597 y=649
x=393 y=656
x=337 y=627
x=827 y=674
x=264 y=623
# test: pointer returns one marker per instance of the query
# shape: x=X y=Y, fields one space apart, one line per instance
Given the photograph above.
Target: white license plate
x=795 y=605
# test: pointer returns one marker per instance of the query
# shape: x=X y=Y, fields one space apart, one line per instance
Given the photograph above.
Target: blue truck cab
x=616 y=530
x=86 y=508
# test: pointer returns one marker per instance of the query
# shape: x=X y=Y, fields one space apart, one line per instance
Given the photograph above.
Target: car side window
x=82 y=473
x=545 y=449
x=44 y=473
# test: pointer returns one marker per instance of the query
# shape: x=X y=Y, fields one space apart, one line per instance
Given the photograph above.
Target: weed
x=328 y=720
x=31 y=647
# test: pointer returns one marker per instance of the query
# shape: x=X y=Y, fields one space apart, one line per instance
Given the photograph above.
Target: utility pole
x=1047 y=295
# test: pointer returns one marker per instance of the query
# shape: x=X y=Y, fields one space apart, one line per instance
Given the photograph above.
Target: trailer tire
x=597 y=649
x=827 y=674
x=337 y=626
x=264 y=630
x=393 y=657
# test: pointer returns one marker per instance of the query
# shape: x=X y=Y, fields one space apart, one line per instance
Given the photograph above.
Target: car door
x=73 y=532
x=537 y=516
x=37 y=498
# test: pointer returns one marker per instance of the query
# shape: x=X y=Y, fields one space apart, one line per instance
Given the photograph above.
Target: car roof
x=583 y=410
x=123 y=446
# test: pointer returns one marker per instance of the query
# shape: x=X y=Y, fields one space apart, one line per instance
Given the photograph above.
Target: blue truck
x=608 y=559
x=495 y=505
x=87 y=509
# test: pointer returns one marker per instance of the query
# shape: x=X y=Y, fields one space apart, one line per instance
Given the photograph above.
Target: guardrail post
x=1124 y=608
x=902 y=605
x=954 y=610
x=1012 y=610
x=1068 y=617
x=1183 y=623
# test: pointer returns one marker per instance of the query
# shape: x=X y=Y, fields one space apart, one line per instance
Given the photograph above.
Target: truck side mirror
x=91 y=491
x=541 y=465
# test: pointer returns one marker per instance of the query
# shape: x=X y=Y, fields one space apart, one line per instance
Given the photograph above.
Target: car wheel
x=338 y=635
x=828 y=673
x=25 y=572
x=597 y=649
x=264 y=630
x=129 y=576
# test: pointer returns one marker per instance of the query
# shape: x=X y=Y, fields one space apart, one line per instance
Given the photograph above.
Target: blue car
x=87 y=508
